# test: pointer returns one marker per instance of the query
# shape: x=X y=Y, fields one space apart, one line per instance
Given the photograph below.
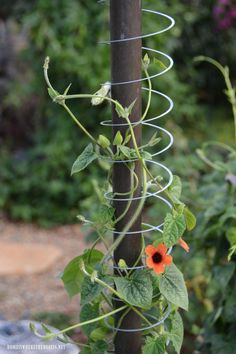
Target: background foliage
x=69 y=33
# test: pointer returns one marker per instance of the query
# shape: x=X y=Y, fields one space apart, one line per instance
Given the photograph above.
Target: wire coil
x=148 y=123
x=156 y=322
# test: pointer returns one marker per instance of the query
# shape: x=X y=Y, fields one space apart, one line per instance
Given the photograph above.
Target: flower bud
x=118 y=138
x=101 y=94
x=103 y=141
x=146 y=61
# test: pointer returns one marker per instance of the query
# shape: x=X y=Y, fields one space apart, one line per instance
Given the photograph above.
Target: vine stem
x=142 y=160
x=61 y=98
x=149 y=95
x=232 y=98
x=85 y=323
x=125 y=313
x=132 y=220
x=79 y=124
x=140 y=255
x=231 y=91
x=132 y=190
x=141 y=204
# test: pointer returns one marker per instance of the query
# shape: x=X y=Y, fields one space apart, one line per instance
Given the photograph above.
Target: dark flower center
x=157 y=257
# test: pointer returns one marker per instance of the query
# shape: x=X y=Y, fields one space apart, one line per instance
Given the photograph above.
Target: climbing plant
x=213 y=280
x=157 y=289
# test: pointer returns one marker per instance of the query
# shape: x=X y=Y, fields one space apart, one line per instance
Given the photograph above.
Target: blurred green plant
x=212 y=267
x=69 y=33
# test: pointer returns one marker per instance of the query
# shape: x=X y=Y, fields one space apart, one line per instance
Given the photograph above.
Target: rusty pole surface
x=126 y=57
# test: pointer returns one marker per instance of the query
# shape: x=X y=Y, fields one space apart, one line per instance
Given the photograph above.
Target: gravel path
x=20 y=297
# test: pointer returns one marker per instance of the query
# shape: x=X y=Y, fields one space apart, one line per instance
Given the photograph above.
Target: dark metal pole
x=126 y=57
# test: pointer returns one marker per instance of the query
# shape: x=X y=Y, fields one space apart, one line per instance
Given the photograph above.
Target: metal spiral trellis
x=147 y=122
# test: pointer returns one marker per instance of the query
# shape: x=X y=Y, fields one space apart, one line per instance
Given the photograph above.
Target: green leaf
x=64 y=338
x=53 y=93
x=33 y=328
x=105 y=214
x=174 y=227
x=160 y=63
x=125 y=151
x=91 y=258
x=155 y=284
x=230 y=213
x=230 y=308
x=89 y=312
x=89 y=291
x=154 y=140
x=130 y=108
x=231 y=235
x=232 y=250
x=223 y=274
x=173 y=288
x=46 y=329
x=146 y=155
x=103 y=219
x=73 y=276
x=98 y=334
x=100 y=347
x=87 y=156
x=128 y=152
x=85 y=350
x=220 y=344
x=120 y=110
x=176 y=334
x=127 y=139
x=67 y=90
x=124 y=112
x=175 y=189
x=137 y=289
x=155 y=345
x=190 y=219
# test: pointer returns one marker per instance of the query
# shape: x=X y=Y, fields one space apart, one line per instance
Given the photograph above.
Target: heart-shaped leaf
x=173 y=287
x=137 y=289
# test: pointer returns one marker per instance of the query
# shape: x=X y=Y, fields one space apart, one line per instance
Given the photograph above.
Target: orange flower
x=184 y=245
x=157 y=257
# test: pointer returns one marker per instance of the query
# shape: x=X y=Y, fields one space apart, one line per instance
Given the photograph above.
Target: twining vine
x=156 y=290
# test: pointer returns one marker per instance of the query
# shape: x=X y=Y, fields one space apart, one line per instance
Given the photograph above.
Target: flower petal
x=149 y=262
x=167 y=259
x=159 y=268
x=184 y=245
x=150 y=250
x=162 y=249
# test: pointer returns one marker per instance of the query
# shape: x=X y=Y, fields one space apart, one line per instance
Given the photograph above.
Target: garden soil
x=22 y=296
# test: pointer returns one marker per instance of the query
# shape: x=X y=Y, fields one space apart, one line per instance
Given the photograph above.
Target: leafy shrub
x=212 y=269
